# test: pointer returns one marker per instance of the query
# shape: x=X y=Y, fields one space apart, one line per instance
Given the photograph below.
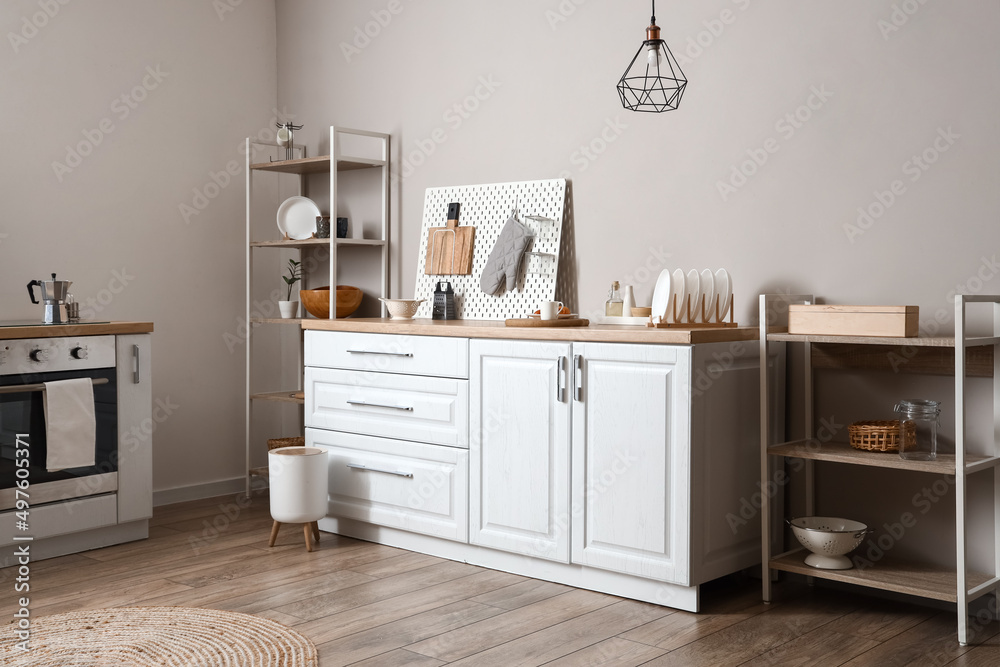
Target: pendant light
x=653 y=81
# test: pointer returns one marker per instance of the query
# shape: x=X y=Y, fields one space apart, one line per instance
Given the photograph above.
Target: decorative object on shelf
x=323 y=227
x=829 y=539
x=653 y=81
x=877 y=435
x=341 y=228
x=317 y=301
x=289 y=308
x=641 y=311
x=298 y=481
x=449 y=248
x=919 y=422
x=613 y=306
x=628 y=301
x=444 y=302
x=505 y=258
x=286 y=137
x=828 y=320
x=402 y=309
x=297 y=218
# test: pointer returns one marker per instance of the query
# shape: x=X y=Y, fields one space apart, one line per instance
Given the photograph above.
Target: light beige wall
x=113 y=223
x=903 y=96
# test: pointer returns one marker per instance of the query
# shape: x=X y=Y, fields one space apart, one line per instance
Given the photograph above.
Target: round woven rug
x=155 y=637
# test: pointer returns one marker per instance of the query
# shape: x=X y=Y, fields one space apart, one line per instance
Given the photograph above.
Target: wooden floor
x=367 y=604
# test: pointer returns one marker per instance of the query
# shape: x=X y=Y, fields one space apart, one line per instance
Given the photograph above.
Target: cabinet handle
x=135 y=368
x=560 y=380
x=399 y=473
x=381 y=405
x=386 y=354
x=578 y=376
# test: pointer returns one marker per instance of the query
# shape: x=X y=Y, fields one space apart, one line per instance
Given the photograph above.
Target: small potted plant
x=289 y=308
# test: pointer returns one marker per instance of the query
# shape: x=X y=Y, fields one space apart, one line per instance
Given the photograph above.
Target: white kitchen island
x=613 y=458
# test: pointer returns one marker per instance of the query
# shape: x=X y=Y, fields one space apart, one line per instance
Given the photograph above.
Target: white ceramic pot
x=288 y=309
x=298 y=479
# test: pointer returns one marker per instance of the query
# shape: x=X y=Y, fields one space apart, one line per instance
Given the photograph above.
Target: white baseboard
x=181 y=494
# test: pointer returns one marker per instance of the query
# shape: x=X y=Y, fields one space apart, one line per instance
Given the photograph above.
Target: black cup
x=322 y=226
x=341 y=228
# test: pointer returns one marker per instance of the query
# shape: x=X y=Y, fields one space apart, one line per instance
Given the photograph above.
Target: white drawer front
x=388 y=353
x=420 y=488
x=405 y=407
x=61 y=518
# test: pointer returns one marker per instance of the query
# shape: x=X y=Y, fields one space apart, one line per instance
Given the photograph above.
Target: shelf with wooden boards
x=316 y=165
x=961 y=357
x=280 y=396
x=309 y=243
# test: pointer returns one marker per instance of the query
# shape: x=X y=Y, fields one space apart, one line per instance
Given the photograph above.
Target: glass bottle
x=613 y=306
x=918 y=423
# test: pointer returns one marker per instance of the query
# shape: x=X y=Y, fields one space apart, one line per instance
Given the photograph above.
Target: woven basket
x=879 y=436
x=277 y=443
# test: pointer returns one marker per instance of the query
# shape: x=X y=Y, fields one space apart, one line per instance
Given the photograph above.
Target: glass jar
x=918 y=423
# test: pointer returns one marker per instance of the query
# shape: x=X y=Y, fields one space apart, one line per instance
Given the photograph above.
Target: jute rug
x=155 y=637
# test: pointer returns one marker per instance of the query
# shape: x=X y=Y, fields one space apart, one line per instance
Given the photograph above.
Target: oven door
x=21 y=412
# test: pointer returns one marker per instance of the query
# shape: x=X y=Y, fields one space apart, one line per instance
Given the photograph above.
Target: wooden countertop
x=59 y=330
x=604 y=333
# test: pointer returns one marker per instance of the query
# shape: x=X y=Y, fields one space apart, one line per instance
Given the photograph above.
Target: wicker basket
x=277 y=443
x=879 y=436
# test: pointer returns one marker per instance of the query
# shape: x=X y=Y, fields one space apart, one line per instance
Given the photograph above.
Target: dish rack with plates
x=692 y=300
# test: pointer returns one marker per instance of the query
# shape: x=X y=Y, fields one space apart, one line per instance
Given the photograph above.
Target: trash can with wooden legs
x=298 y=489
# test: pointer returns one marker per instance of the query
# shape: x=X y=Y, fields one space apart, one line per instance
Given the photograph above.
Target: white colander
x=829 y=539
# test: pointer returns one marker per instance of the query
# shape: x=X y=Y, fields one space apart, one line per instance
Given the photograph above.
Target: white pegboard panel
x=540 y=206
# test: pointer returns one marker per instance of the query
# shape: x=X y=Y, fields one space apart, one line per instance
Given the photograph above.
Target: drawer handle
x=398 y=473
x=386 y=354
x=560 y=384
x=381 y=405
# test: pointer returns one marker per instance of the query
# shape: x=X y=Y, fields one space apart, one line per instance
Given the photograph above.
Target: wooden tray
x=536 y=322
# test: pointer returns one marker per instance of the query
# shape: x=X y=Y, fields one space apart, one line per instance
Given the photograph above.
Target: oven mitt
x=505 y=257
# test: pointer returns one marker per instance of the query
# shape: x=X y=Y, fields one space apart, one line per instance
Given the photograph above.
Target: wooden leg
x=315 y=527
x=274 y=533
x=306 y=530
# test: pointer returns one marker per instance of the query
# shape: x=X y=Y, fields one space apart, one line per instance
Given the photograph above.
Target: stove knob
x=39 y=355
x=79 y=352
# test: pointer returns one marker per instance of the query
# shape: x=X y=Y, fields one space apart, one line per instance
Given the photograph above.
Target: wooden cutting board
x=449 y=249
x=538 y=322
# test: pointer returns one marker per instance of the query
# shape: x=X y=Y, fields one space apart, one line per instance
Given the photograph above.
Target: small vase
x=628 y=302
x=288 y=309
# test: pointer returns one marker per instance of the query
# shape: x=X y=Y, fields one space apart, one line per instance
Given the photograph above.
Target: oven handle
x=18 y=388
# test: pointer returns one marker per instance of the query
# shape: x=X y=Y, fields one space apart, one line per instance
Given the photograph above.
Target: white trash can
x=298 y=480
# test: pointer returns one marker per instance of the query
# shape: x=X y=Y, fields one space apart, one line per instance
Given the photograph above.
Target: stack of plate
x=692 y=297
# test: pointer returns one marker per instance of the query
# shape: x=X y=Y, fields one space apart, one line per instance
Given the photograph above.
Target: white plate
x=661 y=297
x=692 y=289
x=297 y=217
x=677 y=282
x=708 y=296
x=724 y=291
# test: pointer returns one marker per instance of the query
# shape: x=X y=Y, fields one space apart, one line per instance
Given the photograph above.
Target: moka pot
x=54 y=294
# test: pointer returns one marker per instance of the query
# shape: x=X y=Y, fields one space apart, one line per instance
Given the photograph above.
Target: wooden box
x=894 y=321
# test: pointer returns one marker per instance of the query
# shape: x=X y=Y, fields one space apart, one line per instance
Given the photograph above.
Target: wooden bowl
x=641 y=312
x=317 y=301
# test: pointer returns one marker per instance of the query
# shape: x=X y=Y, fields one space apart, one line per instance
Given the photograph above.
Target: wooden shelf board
x=307 y=243
x=926 y=581
x=259 y=472
x=280 y=396
x=900 y=358
x=917 y=341
x=842 y=452
x=277 y=320
x=316 y=165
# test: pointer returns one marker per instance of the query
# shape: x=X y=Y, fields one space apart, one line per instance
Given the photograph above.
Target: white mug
x=549 y=310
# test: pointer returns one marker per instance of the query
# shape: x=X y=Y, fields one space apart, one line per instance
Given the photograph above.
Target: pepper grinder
x=444 y=302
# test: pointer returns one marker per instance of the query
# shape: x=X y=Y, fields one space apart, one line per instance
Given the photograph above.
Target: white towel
x=70 y=425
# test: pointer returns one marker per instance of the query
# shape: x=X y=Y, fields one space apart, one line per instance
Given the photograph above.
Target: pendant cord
x=652 y=19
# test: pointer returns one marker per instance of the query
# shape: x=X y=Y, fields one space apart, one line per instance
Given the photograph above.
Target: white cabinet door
x=519 y=447
x=135 y=428
x=631 y=459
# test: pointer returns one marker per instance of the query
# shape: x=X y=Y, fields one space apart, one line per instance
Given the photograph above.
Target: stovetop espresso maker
x=54 y=294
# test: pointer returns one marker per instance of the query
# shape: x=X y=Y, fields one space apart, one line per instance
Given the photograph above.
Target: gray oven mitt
x=505 y=257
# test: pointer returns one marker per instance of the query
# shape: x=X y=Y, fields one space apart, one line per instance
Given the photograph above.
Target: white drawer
x=388 y=353
x=61 y=518
x=420 y=488
x=405 y=407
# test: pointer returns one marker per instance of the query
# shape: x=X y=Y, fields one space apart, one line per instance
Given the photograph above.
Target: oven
x=24 y=365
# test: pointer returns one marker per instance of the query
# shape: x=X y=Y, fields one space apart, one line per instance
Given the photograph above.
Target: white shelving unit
x=959 y=585
x=339 y=160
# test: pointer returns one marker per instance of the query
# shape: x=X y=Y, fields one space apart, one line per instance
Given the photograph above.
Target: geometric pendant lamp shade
x=653 y=81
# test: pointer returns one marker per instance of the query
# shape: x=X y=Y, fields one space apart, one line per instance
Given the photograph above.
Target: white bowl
x=829 y=539
x=402 y=309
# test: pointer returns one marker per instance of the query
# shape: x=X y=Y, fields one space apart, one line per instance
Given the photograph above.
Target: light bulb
x=653 y=55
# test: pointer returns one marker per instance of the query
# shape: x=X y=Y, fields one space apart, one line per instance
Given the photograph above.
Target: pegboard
x=540 y=207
